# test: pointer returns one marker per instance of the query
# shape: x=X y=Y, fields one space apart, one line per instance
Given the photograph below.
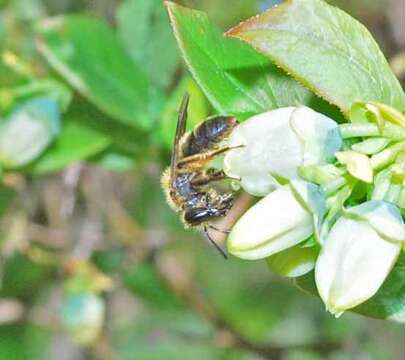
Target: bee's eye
x=195 y=216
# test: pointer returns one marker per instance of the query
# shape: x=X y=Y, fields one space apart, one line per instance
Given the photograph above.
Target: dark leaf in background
x=144 y=29
x=87 y=53
x=6 y=196
x=35 y=342
x=124 y=140
x=145 y=281
x=76 y=142
x=23 y=277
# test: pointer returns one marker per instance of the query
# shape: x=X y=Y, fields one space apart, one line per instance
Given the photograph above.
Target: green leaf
x=115 y=161
x=326 y=50
x=388 y=303
x=148 y=284
x=76 y=142
x=28 y=130
x=235 y=78
x=124 y=139
x=144 y=29
x=100 y=70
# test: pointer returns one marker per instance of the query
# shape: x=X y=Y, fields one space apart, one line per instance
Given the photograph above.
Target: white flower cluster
x=307 y=169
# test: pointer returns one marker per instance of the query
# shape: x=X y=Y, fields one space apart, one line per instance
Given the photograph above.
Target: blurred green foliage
x=114 y=72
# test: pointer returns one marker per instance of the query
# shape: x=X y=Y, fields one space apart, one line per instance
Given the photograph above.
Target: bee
x=189 y=183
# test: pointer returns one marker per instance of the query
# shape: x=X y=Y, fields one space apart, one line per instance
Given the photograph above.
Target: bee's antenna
x=211 y=240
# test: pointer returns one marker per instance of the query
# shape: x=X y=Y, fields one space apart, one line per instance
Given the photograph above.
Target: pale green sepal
x=398 y=169
x=376 y=112
x=275 y=223
x=384 y=217
x=320 y=135
x=401 y=199
x=382 y=183
x=387 y=156
x=293 y=262
x=312 y=198
x=358 y=165
x=393 y=193
x=371 y=146
x=320 y=174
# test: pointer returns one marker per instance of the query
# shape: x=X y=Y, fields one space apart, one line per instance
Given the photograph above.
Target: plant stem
x=358 y=130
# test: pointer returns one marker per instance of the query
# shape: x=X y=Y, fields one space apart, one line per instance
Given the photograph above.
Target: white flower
x=276 y=143
x=282 y=219
x=358 y=254
x=28 y=131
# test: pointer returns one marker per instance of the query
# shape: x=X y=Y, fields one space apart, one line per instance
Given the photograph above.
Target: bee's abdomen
x=208 y=134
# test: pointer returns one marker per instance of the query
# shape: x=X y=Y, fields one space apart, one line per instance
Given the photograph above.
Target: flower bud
x=82 y=317
x=282 y=219
x=276 y=143
x=28 y=131
x=358 y=254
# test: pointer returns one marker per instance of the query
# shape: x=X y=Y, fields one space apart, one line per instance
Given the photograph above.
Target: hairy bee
x=188 y=182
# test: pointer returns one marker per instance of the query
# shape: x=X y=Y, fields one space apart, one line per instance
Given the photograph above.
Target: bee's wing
x=180 y=130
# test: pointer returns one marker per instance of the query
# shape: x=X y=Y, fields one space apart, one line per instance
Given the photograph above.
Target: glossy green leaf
x=234 y=77
x=326 y=50
x=100 y=70
x=76 y=142
x=143 y=27
x=388 y=303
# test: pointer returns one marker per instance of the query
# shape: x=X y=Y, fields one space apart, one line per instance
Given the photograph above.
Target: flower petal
x=383 y=216
x=354 y=261
x=320 y=135
x=271 y=148
x=275 y=223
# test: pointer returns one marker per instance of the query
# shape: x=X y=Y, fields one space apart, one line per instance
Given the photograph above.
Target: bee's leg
x=219 y=230
x=211 y=240
x=206 y=178
x=206 y=156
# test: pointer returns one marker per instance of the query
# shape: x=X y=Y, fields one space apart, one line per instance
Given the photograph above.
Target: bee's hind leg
x=205 y=156
x=207 y=177
x=219 y=230
x=211 y=240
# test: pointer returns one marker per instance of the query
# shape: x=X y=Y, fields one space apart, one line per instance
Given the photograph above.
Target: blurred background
x=93 y=263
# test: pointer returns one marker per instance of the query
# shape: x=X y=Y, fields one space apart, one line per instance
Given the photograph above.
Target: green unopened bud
x=371 y=146
x=358 y=165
